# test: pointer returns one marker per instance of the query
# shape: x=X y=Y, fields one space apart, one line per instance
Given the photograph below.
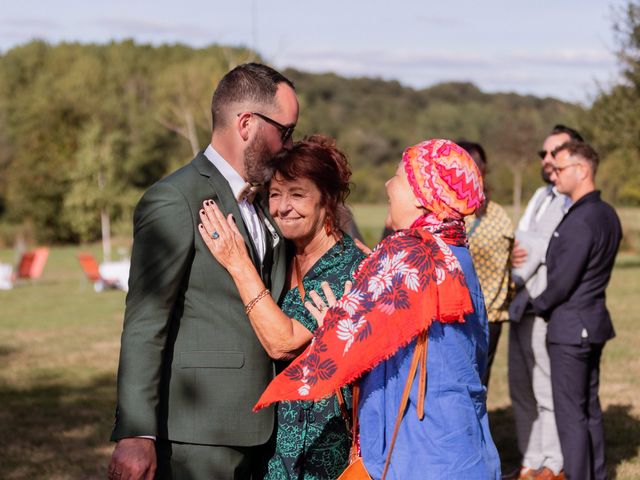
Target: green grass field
x=59 y=344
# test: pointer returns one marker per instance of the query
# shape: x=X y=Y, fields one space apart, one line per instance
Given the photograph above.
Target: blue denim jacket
x=453 y=440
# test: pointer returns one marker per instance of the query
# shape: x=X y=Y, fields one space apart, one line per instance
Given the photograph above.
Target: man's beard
x=546 y=178
x=257 y=167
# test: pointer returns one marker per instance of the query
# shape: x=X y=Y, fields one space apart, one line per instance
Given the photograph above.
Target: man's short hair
x=573 y=134
x=581 y=150
x=247 y=83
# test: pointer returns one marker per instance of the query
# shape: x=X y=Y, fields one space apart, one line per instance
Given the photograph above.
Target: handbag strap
x=339 y=396
x=418 y=362
x=355 y=398
x=343 y=408
x=419 y=359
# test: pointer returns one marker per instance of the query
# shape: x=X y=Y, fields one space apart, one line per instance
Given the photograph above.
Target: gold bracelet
x=249 y=306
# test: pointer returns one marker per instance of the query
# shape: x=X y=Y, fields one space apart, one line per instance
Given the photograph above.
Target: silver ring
x=215 y=235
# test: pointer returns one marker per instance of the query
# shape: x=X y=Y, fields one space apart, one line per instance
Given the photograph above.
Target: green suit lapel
x=225 y=199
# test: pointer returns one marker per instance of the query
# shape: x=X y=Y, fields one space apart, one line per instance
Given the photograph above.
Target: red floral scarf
x=410 y=280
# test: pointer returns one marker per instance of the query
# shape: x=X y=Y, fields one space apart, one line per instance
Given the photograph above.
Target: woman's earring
x=328 y=229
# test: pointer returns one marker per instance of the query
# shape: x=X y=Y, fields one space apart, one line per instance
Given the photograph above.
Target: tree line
x=86 y=128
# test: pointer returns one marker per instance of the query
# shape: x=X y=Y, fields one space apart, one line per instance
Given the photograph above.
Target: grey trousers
x=531 y=394
x=184 y=461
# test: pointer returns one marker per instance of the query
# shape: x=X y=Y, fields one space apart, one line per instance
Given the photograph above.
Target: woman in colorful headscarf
x=415 y=301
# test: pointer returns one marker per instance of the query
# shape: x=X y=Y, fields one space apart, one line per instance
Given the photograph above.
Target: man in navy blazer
x=580 y=259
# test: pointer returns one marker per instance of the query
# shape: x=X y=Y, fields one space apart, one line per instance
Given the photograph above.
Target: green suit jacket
x=191 y=367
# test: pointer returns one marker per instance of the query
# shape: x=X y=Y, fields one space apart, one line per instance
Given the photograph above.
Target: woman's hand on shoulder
x=317 y=308
x=222 y=237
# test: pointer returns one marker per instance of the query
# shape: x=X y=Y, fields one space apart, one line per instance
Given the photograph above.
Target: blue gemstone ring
x=215 y=235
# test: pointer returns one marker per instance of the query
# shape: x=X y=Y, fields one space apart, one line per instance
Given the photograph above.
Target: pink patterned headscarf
x=444 y=178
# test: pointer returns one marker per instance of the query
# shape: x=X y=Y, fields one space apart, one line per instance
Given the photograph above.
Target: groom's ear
x=243 y=125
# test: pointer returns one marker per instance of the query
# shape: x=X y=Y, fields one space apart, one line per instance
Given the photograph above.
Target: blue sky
x=562 y=48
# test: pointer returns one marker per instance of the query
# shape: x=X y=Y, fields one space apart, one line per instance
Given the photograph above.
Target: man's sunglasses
x=285 y=131
x=543 y=153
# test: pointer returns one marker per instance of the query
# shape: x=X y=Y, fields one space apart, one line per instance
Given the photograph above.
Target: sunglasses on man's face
x=285 y=131
x=543 y=153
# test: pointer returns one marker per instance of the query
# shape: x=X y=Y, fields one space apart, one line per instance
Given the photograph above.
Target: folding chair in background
x=91 y=270
x=32 y=264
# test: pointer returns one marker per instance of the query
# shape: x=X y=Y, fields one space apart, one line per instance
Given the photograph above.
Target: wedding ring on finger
x=215 y=235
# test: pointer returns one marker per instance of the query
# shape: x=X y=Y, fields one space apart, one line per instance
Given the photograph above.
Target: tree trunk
x=517 y=191
x=106 y=236
x=105 y=225
x=192 y=135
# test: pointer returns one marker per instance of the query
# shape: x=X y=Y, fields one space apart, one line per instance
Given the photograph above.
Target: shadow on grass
x=503 y=431
x=57 y=430
x=628 y=263
x=6 y=350
x=622 y=436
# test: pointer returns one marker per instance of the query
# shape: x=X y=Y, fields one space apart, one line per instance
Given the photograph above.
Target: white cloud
x=363 y=60
x=28 y=23
x=567 y=74
x=166 y=30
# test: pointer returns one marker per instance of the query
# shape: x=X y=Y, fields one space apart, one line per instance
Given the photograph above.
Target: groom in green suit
x=191 y=367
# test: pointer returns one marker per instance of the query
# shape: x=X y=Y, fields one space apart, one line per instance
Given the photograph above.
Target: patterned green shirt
x=490 y=242
x=312 y=438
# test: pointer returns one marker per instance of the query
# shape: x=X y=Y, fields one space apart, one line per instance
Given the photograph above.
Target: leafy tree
x=129 y=114
x=97 y=187
x=614 y=120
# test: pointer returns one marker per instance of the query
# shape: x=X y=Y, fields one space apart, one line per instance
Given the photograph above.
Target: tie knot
x=248 y=192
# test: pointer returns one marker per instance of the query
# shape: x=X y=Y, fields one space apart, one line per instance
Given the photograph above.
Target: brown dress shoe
x=545 y=473
x=522 y=473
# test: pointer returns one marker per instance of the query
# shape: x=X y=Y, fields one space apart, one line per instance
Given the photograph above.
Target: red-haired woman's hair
x=317 y=159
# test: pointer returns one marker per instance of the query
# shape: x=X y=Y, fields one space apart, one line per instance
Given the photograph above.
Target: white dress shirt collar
x=236 y=182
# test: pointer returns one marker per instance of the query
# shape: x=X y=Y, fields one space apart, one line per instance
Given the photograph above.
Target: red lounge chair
x=91 y=269
x=32 y=264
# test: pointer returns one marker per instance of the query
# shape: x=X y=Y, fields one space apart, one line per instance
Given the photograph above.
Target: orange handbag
x=355 y=471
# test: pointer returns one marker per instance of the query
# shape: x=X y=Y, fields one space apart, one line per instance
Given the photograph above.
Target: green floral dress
x=312 y=440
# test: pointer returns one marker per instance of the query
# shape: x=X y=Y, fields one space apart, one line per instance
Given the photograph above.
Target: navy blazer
x=580 y=258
